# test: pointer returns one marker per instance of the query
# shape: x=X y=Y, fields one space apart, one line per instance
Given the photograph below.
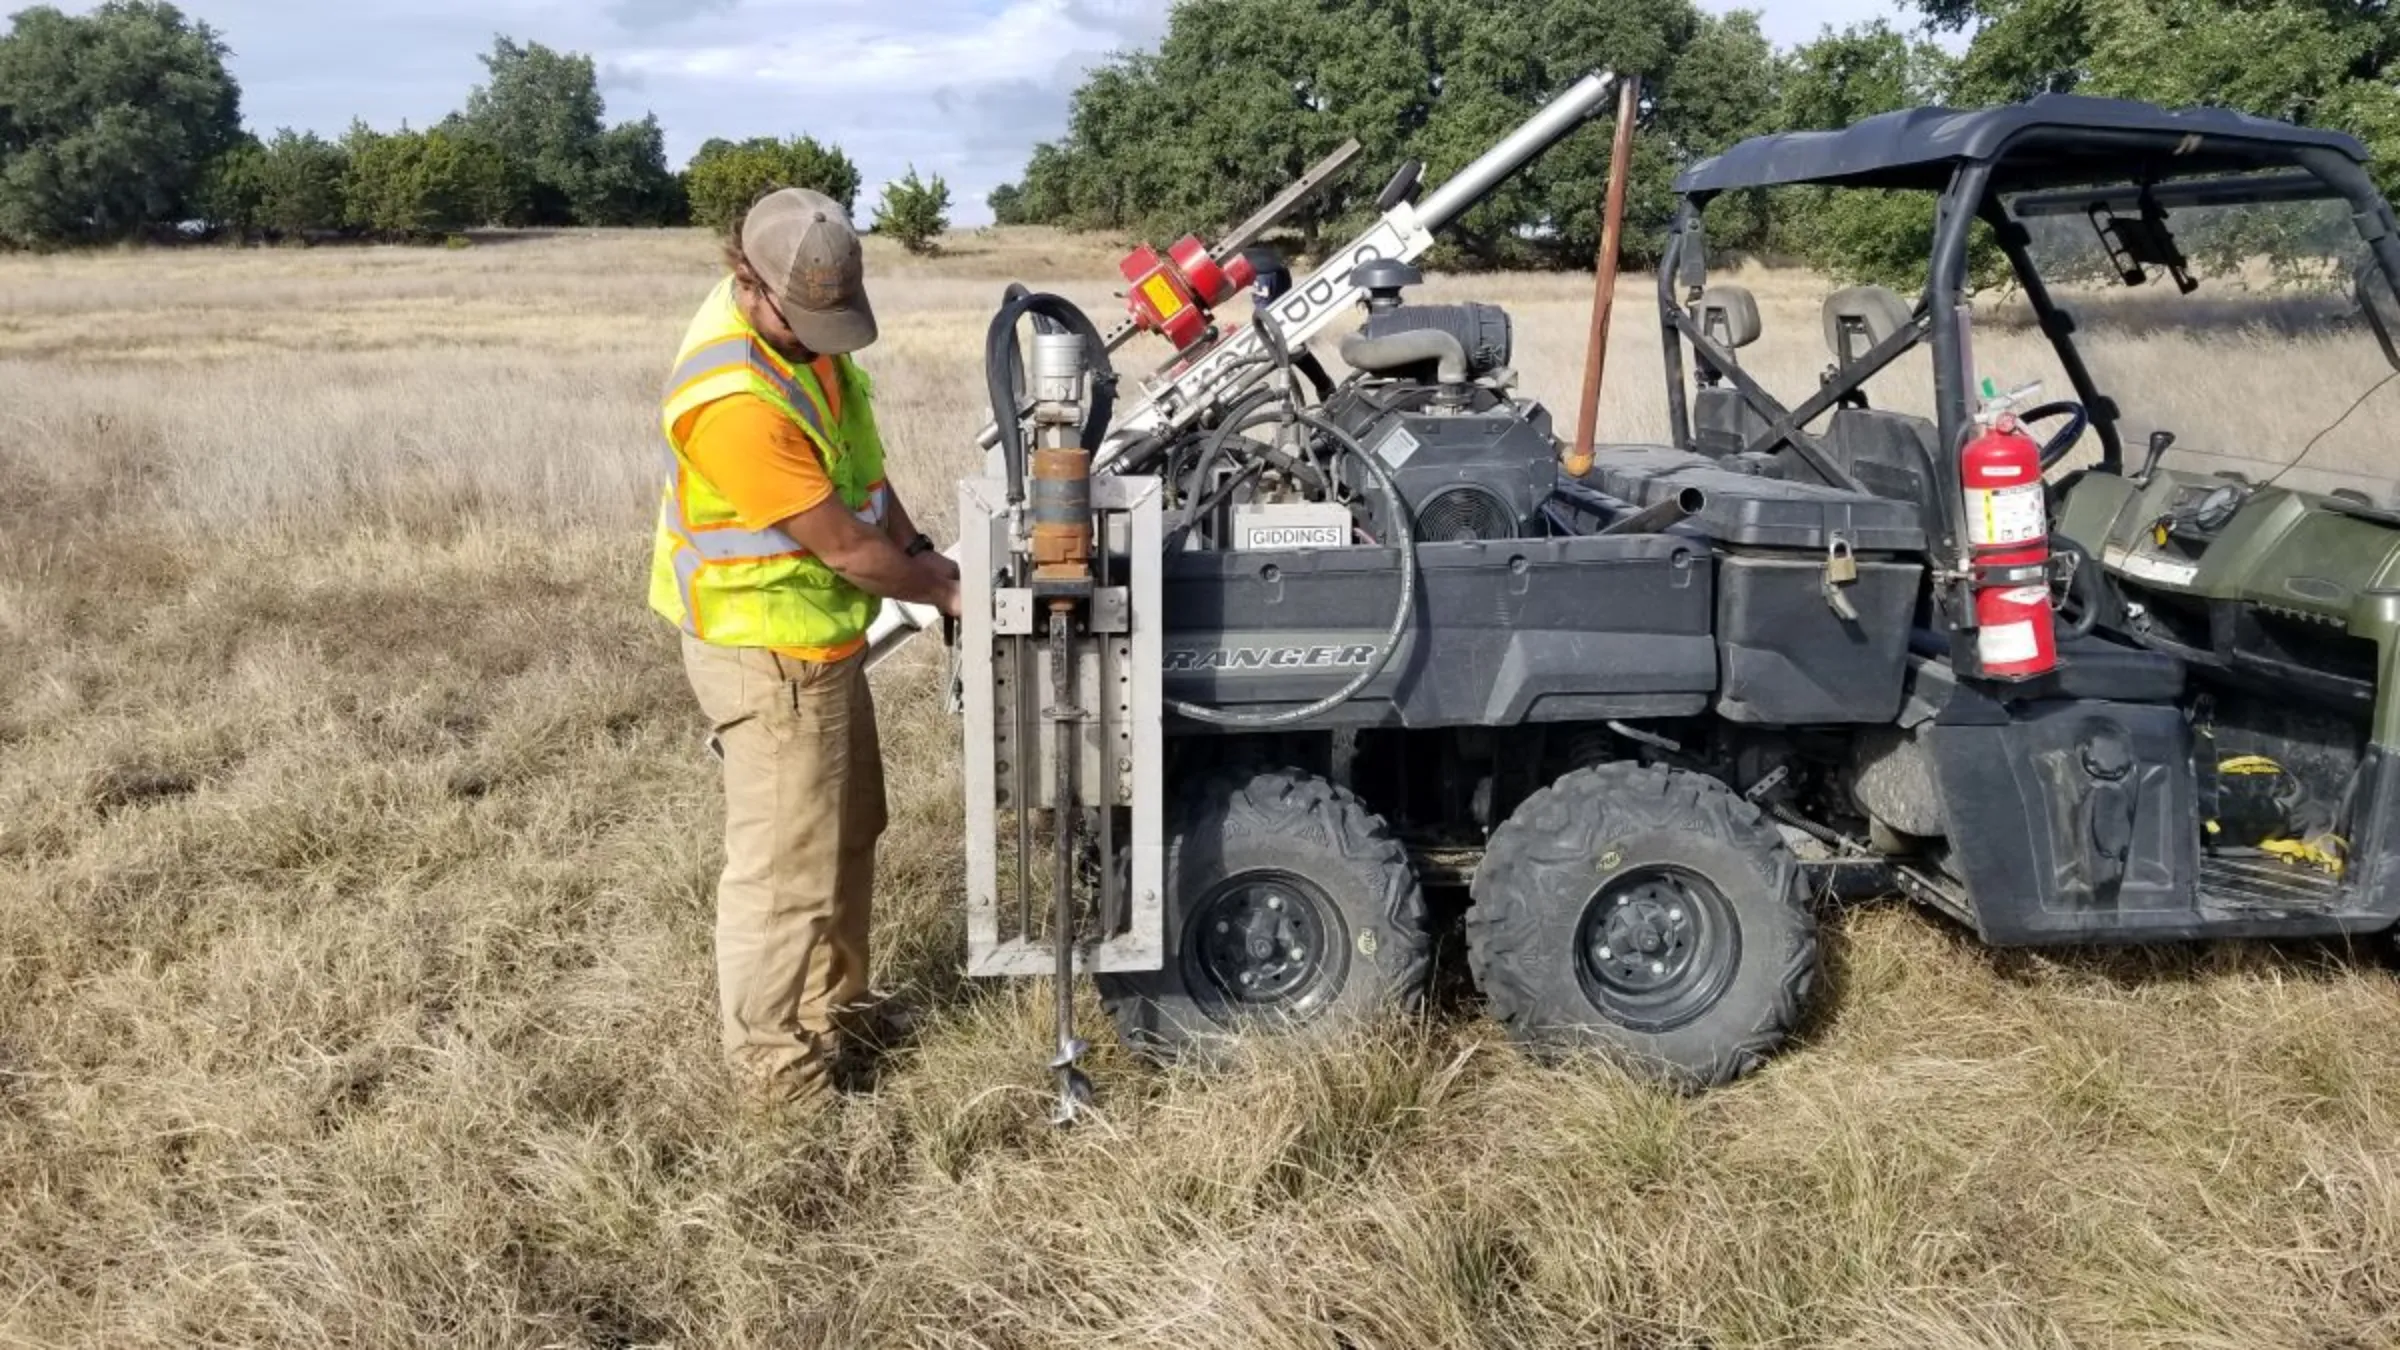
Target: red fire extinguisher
x=2009 y=528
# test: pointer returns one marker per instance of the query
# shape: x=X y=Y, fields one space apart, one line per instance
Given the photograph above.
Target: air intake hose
x=1482 y=332
x=1400 y=351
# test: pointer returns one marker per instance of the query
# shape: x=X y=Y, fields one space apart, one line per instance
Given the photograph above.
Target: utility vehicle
x=1249 y=668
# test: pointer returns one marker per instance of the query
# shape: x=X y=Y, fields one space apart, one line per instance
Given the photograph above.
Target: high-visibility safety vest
x=736 y=587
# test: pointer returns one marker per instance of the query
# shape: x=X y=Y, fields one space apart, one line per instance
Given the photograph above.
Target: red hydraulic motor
x=2008 y=526
x=1172 y=296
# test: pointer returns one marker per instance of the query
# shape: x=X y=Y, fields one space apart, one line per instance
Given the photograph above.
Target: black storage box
x=1753 y=512
x=1788 y=658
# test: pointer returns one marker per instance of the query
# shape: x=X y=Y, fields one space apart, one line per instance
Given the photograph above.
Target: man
x=778 y=538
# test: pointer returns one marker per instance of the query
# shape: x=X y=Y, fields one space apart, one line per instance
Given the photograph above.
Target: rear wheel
x=1649 y=914
x=1288 y=907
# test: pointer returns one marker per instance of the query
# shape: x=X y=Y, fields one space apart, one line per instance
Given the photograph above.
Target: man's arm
x=869 y=559
x=903 y=530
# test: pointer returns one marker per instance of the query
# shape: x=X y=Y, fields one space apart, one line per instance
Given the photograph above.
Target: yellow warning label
x=1162 y=296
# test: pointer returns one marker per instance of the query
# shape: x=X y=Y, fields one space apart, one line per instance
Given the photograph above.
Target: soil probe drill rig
x=1249 y=666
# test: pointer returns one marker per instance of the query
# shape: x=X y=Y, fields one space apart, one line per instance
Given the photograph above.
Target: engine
x=1429 y=397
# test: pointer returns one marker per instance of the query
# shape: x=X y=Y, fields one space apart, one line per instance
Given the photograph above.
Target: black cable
x=1405 y=540
x=1238 y=419
x=2347 y=414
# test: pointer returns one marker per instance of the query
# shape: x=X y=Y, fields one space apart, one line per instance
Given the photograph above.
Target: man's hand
x=947 y=598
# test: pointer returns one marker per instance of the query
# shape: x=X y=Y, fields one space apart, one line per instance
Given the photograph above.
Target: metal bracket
x=1119 y=663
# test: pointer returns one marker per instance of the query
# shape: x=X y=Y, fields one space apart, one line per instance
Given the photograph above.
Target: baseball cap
x=803 y=247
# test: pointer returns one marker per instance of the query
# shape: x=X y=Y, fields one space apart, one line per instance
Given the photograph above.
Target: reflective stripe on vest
x=731 y=543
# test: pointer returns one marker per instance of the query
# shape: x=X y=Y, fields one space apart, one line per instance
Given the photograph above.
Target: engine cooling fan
x=1457 y=515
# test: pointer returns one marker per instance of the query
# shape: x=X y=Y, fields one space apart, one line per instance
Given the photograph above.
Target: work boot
x=786 y=1102
x=879 y=1023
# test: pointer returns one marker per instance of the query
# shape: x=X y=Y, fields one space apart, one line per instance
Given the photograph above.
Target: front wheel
x=1288 y=908
x=1649 y=914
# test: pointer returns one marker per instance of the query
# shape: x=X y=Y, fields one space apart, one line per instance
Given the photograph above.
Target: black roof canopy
x=2051 y=141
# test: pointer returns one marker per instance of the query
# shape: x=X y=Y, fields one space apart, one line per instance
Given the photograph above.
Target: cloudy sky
x=962 y=88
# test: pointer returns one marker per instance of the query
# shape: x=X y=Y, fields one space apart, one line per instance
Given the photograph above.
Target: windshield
x=2266 y=368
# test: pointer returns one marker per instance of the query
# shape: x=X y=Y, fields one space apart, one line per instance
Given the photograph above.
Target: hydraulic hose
x=1240 y=418
x=1004 y=375
x=1404 y=538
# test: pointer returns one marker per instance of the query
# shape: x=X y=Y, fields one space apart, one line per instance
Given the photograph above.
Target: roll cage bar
x=2143 y=161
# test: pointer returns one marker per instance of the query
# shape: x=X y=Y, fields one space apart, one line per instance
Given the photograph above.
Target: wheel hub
x=1262 y=939
x=1658 y=947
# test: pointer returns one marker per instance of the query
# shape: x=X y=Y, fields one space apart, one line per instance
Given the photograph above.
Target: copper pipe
x=1604 y=293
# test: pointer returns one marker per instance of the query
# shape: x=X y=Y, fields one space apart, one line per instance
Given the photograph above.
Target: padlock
x=1841 y=569
x=1841 y=565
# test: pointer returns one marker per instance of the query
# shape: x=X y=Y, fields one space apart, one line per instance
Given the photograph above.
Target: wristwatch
x=923 y=543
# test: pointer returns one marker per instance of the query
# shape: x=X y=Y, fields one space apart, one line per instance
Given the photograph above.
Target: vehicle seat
x=1722 y=423
x=1891 y=454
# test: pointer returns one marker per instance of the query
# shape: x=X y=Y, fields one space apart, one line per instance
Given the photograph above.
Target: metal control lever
x=2160 y=443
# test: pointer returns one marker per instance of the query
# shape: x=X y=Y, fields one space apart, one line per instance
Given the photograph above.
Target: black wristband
x=923 y=543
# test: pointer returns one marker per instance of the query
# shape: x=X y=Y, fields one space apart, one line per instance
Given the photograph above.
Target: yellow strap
x=2246 y=766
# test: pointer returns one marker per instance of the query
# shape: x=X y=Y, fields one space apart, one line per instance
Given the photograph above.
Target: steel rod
x=1604 y=282
x=1064 y=718
x=1545 y=129
x=1269 y=216
x=1028 y=755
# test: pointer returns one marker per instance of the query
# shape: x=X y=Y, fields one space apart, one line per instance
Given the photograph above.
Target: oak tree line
x=124 y=123
x=1240 y=96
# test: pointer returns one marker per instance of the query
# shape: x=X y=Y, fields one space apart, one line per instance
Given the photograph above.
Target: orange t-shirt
x=766 y=468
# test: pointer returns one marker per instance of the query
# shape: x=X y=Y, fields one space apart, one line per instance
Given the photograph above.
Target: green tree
x=1842 y=78
x=1007 y=203
x=414 y=184
x=627 y=181
x=914 y=211
x=299 y=178
x=1242 y=95
x=110 y=122
x=543 y=109
x=228 y=194
x=2310 y=61
x=726 y=178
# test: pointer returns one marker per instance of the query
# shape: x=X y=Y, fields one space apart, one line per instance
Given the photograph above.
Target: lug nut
x=1299 y=955
x=1658 y=967
x=1606 y=954
x=1675 y=915
x=1274 y=902
x=1224 y=927
x=1248 y=978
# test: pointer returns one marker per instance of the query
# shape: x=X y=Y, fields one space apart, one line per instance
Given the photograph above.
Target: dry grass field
x=356 y=852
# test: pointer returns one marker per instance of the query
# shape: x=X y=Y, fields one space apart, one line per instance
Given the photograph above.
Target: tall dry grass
x=356 y=851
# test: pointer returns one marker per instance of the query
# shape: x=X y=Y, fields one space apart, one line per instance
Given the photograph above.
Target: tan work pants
x=803 y=808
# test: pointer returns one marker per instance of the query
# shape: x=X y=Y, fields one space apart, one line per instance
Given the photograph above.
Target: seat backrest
x=1722 y=423
x=1728 y=315
x=1890 y=454
x=1860 y=318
